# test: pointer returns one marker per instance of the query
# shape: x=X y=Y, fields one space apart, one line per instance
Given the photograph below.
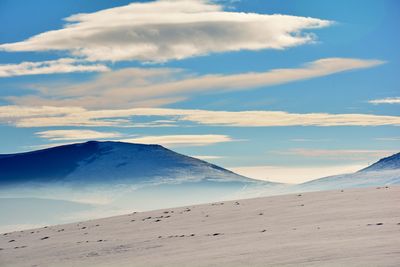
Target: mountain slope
x=107 y=163
x=358 y=227
x=388 y=163
x=110 y=178
x=384 y=172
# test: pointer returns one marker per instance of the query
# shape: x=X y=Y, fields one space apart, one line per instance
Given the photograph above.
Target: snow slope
x=384 y=172
x=103 y=179
x=357 y=227
x=354 y=180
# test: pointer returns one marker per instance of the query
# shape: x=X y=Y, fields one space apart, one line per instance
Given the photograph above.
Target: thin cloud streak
x=351 y=154
x=155 y=87
x=388 y=138
x=170 y=141
x=181 y=140
x=63 y=65
x=63 y=135
x=22 y=116
x=388 y=100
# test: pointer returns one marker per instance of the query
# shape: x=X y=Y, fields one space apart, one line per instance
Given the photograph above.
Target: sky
x=280 y=90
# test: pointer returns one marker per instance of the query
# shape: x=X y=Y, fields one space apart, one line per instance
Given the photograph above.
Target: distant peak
x=389 y=163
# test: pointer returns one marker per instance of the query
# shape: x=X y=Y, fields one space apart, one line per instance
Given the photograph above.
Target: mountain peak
x=389 y=163
x=107 y=162
x=115 y=143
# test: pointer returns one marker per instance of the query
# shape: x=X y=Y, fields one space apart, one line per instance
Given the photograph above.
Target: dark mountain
x=108 y=163
x=388 y=163
x=99 y=179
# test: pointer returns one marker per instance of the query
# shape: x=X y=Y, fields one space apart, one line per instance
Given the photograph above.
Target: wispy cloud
x=170 y=141
x=22 y=116
x=310 y=140
x=63 y=65
x=63 y=135
x=163 y=30
x=395 y=138
x=355 y=154
x=180 y=140
x=154 y=87
x=388 y=100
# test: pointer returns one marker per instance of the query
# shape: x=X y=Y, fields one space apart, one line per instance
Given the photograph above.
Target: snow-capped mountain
x=100 y=179
x=384 y=172
x=108 y=163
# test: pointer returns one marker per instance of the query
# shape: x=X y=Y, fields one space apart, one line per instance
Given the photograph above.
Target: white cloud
x=309 y=140
x=353 y=154
x=62 y=135
x=294 y=174
x=154 y=87
x=281 y=118
x=170 y=141
x=388 y=138
x=388 y=100
x=52 y=116
x=170 y=29
x=180 y=140
x=26 y=116
x=63 y=65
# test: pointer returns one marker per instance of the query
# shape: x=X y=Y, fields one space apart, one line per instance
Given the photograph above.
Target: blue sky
x=267 y=88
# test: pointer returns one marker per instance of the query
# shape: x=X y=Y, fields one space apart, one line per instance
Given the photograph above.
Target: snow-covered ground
x=353 y=227
x=94 y=180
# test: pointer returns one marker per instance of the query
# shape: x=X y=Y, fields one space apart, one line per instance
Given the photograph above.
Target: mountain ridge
x=98 y=179
x=384 y=172
x=388 y=163
x=93 y=160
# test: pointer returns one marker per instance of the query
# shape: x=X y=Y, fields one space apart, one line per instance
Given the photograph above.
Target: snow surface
x=101 y=179
x=353 y=180
x=356 y=227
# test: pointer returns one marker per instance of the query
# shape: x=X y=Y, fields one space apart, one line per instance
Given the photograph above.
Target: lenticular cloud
x=170 y=29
